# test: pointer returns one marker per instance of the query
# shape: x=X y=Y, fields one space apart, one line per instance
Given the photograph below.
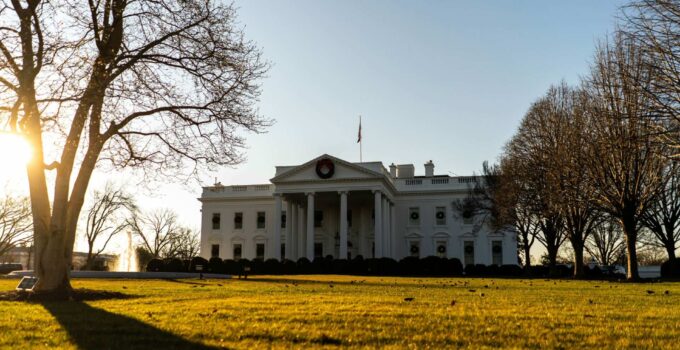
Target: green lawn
x=356 y=311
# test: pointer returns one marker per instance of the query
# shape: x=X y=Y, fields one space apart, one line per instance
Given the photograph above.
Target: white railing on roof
x=411 y=182
x=467 y=179
x=440 y=181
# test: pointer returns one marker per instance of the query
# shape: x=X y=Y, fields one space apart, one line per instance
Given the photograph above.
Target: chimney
x=405 y=171
x=429 y=169
x=393 y=170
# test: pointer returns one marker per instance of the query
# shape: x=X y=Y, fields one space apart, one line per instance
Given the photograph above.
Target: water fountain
x=127 y=259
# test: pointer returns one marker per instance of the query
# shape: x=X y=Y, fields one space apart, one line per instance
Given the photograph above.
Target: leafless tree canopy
x=655 y=26
x=626 y=159
x=157 y=230
x=15 y=223
x=106 y=217
x=606 y=243
x=166 y=86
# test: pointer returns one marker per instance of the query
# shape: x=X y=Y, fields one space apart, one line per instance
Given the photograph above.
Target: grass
x=350 y=311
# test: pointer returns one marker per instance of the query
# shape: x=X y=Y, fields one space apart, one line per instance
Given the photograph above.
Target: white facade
x=389 y=213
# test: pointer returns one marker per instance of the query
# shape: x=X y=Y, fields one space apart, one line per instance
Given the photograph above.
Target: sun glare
x=15 y=152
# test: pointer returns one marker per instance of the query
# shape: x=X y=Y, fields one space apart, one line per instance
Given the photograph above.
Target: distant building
x=387 y=213
x=25 y=257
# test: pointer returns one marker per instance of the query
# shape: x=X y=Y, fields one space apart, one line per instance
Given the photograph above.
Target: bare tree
x=663 y=217
x=515 y=208
x=167 y=86
x=626 y=161
x=106 y=217
x=532 y=154
x=655 y=26
x=185 y=244
x=157 y=230
x=606 y=243
x=15 y=223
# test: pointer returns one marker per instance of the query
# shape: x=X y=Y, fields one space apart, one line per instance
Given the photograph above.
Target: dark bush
x=431 y=266
x=304 y=266
x=386 y=267
x=289 y=267
x=358 y=266
x=272 y=267
x=475 y=270
x=561 y=271
x=670 y=269
x=454 y=267
x=155 y=265
x=493 y=270
x=173 y=265
x=256 y=267
x=215 y=265
x=511 y=271
x=231 y=267
x=539 y=271
x=185 y=265
x=198 y=261
x=341 y=266
x=409 y=266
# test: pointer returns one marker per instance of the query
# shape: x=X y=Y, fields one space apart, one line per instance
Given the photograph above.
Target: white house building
x=329 y=206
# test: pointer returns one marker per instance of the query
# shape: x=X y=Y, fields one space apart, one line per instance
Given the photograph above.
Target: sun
x=15 y=152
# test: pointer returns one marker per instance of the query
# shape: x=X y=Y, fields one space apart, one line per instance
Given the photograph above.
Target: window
x=441 y=249
x=261 y=219
x=216 y=221
x=469 y=252
x=318 y=250
x=215 y=251
x=414 y=216
x=237 y=251
x=318 y=218
x=440 y=216
x=238 y=221
x=283 y=219
x=414 y=249
x=349 y=218
x=259 y=251
x=283 y=251
x=468 y=217
x=497 y=252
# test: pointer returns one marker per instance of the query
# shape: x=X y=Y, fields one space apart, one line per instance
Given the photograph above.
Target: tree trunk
x=527 y=257
x=578 y=259
x=670 y=249
x=630 y=231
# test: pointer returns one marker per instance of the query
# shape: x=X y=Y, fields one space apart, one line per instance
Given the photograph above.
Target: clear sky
x=442 y=80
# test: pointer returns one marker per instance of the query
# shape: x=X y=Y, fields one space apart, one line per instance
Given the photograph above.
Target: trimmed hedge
x=670 y=269
x=408 y=266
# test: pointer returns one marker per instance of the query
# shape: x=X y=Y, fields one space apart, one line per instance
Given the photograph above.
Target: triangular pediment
x=341 y=170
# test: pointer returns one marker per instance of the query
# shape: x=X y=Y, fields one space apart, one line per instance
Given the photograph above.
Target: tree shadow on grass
x=91 y=328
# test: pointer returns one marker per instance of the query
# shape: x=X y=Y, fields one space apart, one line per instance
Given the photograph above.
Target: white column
x=310 y=226
x=385 y=227
x=289 y=230
x=343 y=225
x=302 y=225
x=392 y=231
x=377 y=223
x=276 y=254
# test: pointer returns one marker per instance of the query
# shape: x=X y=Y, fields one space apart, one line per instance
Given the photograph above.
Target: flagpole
x=361 y=141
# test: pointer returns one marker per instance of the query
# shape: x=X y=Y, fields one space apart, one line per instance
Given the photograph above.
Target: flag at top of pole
x=359 y=139
x=361 y=156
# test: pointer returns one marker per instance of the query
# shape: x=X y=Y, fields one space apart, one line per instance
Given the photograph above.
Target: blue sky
x=447 y=81
x=442 y=80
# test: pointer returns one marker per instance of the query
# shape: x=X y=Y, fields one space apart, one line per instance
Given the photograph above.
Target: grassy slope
x=306 y=312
